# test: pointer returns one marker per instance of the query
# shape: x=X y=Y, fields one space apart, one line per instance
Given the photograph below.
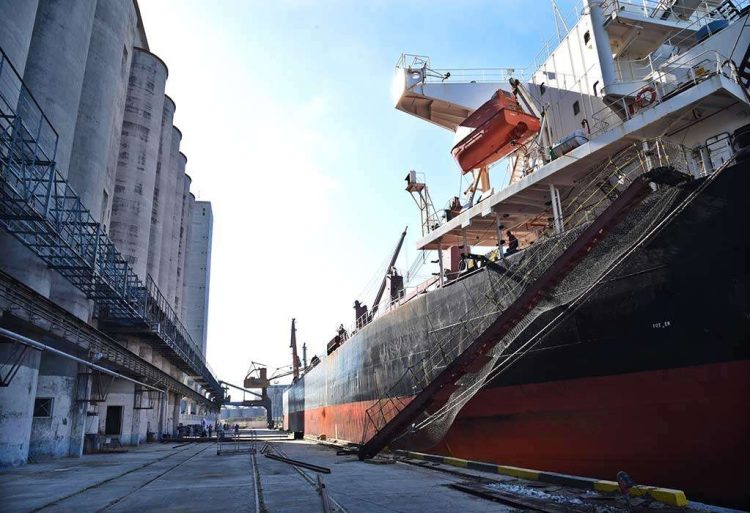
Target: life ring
x=645 y=96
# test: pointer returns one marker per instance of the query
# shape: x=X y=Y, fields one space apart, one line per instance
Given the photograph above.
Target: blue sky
x=290 y=132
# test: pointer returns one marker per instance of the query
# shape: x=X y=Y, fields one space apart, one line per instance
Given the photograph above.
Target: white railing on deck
x=473 y=75
x=677 y=75
x=658 y=8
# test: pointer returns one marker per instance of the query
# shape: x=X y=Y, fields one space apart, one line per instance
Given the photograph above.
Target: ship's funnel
x=443 y=97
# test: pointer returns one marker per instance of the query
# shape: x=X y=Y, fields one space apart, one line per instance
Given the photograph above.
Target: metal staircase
x=437 y=379
x=40 y=209
x=744 y=69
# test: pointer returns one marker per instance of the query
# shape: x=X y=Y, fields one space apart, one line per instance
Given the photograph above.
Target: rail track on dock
x=187 y=453
x=328 y=503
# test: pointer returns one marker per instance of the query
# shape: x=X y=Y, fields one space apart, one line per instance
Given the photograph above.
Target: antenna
x=559 y=20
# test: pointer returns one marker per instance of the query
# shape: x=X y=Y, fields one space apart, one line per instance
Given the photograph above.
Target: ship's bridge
x=445 y=97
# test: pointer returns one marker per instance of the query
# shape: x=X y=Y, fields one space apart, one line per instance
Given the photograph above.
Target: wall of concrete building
x=276 y=393
x=122 y=394
x=16 y=408
x=173 y=414
x=130 y=226
x=198 y=273
x=61 y=433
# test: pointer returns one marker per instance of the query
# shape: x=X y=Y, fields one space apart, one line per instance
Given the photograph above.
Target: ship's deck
x=529 y=198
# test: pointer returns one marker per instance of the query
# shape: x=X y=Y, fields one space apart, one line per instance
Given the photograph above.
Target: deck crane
x=381 y=290
x=295 y=356
x=544 y=139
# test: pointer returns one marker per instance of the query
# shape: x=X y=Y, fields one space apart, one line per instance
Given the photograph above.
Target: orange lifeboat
x=497 y=128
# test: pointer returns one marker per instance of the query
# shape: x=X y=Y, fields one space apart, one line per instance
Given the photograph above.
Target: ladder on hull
x=438 y=391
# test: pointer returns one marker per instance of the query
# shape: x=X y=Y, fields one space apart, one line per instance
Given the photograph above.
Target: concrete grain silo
x=96 y=141
x=130 y=226
x=16 y=403
x=162 y=191
x=166 y=264
x=53 y=73
x=56 y=65
x=16 y=26
x=184 y=227
x=177 y=210
x=96 y=144
x=188 y=223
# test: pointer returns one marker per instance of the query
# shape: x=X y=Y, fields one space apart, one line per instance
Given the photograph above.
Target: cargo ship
x=592 y=313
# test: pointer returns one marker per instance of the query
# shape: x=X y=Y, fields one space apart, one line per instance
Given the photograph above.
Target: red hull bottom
x=686 y=428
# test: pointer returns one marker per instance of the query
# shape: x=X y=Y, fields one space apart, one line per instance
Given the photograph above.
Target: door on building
x=113 y=422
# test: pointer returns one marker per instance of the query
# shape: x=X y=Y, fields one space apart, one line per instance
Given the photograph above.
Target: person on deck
x=512 y=244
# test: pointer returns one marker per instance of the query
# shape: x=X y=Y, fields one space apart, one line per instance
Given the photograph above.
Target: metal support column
x=441 y=276
x=556 y=209
x=499 y=235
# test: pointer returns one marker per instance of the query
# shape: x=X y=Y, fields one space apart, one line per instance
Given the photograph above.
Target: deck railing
x=663 y=84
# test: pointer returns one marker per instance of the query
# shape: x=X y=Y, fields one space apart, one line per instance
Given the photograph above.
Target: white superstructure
x=626 y=71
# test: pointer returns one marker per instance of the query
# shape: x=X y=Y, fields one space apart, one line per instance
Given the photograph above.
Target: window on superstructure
x=542 y=88
x=586 y=37
x=576 y=108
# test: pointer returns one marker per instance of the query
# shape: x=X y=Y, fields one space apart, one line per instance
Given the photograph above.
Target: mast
x=385 y=276
x=295 y=358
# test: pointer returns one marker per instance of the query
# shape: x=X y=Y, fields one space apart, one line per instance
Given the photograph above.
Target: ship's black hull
x=649 y=375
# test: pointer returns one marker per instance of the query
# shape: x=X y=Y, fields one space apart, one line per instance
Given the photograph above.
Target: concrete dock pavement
x=361 y=487
x=192 y=477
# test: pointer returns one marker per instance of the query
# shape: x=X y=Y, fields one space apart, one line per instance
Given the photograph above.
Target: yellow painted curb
x=606 y=486
x=665 y=495
x=521 y=473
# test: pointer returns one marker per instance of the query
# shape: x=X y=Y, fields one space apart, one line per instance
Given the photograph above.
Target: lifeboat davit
x=496 y=129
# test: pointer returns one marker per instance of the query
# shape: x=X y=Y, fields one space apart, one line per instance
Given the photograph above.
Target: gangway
x=393 y=415
x=41 y=210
